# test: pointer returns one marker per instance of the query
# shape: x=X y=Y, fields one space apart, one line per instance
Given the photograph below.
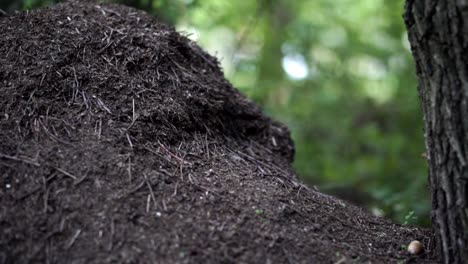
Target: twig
x=134 y=116
x=80 y=180
x=181 y=160
x=148 y=200
x=52 y=136
x=150 y=188
x=111 y=242
x=129 y=169
x=46 y=199
x=73 y=239
x=129 y=140
x=25 y=160
x=66 y=173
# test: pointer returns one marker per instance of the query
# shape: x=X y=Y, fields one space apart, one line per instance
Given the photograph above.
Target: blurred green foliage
x=338 y=73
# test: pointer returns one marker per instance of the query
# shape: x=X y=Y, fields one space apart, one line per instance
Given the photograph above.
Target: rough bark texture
x=438 y=33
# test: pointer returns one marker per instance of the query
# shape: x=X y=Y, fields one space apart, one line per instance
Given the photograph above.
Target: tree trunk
x=270 y=72
x=438 y=33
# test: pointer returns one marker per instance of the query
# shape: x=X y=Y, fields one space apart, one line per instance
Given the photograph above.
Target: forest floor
x=121 y=141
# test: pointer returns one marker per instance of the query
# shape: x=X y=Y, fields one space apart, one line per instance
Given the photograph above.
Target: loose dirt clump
x=121 y=141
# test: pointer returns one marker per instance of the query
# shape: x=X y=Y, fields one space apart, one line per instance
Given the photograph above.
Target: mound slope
x=121 y=141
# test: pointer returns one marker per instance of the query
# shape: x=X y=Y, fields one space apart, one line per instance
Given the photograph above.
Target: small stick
x=46 y=198
x=25 y=160
x=129 y=169
x=129 y=141
x=148 y=201
x=175 y=189
x=100 y=129
x=66 y=173
x=134 y=116
x=150 y=189
x=133 y=108
x=80 y=180
x=72 y=241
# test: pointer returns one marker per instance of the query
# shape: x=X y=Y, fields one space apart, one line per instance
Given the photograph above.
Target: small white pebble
x=8 y=186
x=158 y=214
x=415 y=247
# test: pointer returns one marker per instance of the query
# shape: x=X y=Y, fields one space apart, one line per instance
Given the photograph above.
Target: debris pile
x=121 y=141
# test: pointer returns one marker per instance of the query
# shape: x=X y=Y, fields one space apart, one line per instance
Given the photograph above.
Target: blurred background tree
x=338 y=73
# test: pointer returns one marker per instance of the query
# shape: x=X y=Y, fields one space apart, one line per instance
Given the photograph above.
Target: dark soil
x=122 y=142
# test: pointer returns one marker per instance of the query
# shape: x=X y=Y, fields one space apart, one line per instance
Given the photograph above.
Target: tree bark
x=270 y=71
x=438 y=33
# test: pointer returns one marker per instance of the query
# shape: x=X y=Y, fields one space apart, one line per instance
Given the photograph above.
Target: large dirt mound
x=121 y=141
